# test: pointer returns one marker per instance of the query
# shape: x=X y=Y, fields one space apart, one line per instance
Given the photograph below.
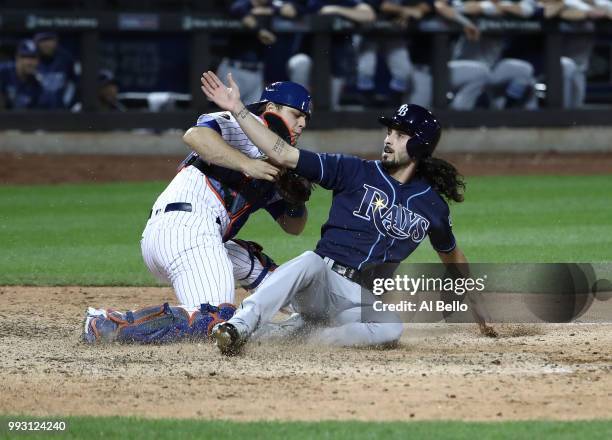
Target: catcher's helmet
x=422 y=126
x=287 y=93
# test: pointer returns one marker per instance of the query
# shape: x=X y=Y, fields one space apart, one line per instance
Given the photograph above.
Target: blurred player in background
x=20 y=86
x=405 y=77
x=467 y=78
x=108 y=91
x=245 y=51
x=478 y=64
x=58 y=72
x=576 y=48
x=343 y=56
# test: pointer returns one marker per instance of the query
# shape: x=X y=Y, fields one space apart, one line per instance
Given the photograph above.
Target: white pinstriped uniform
x=186 y=249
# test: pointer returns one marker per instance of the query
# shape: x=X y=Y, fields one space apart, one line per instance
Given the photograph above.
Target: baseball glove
x=294 y=188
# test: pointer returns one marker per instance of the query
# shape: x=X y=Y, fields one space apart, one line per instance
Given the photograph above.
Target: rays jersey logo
x=394 y=221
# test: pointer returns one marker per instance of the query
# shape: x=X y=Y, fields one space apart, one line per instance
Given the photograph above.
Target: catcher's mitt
x=294 y=188
x=277 y=124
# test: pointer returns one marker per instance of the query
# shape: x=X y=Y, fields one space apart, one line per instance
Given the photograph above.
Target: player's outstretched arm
x=228 y=98
x=457 y=260
x=213 y=149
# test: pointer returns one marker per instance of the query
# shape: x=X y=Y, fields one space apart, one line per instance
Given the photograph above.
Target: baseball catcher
x=189 y=240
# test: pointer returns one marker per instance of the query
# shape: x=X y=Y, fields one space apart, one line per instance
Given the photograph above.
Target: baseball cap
x=106 y=76
x=40 y=36
x=27 y=48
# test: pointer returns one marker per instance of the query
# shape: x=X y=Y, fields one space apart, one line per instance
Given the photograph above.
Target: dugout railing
x=200 y=28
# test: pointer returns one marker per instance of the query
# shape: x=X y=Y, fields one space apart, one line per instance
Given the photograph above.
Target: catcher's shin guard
x=155 y=324
x=261 y=265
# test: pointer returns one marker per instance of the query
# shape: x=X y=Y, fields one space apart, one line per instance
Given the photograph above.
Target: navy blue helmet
x=422 y=126
x=287 y=93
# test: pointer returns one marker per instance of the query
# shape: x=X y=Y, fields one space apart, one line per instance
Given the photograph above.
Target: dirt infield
x=69 y=168
x=439 y=371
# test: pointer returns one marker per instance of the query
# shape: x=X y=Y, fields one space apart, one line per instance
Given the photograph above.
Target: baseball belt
x=179 y=206
x=347 y=272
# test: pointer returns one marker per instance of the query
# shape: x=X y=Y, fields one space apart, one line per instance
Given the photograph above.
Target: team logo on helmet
x=422 y=126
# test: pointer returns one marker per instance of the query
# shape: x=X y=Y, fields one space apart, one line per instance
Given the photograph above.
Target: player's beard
x=389 y=165
x=391 y=162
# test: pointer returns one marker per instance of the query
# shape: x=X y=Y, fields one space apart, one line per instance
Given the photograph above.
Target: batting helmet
x=422 y=126
x=287 y=93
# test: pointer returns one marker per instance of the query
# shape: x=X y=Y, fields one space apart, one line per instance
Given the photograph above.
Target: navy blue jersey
x=373 y=218
x=58 y=79
x=17 y=93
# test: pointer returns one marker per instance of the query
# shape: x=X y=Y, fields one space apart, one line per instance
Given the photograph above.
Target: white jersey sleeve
x=230 y=131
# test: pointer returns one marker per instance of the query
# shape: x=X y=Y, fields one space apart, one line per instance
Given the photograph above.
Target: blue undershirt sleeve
x=331 y=171
x=441 y=234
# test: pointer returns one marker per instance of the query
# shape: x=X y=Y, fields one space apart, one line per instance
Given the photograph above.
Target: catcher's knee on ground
x=155 y=324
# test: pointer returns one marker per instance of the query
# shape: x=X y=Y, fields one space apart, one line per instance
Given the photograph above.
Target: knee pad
x=261 y=264
x=159 y=324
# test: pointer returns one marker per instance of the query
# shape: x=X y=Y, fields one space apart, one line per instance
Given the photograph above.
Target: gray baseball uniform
x=320 y=295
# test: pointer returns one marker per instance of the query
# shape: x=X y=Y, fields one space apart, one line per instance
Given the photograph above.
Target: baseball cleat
x=90 y=334
x=227 y=339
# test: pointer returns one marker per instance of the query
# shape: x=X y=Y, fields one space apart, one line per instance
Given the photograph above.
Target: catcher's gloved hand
x=277 y=124
x=293 y=188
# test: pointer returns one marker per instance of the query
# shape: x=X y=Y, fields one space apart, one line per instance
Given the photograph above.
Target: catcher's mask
x=422 y=126
x=287 y=93
x=279 y=125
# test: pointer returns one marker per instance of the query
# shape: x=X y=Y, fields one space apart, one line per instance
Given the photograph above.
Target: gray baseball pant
x=468 y=80
x=322 y=296
x=398 y=62
x=574 y=83
x=511 y=69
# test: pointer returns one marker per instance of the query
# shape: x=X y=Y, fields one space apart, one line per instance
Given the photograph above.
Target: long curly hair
x=443 y=178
